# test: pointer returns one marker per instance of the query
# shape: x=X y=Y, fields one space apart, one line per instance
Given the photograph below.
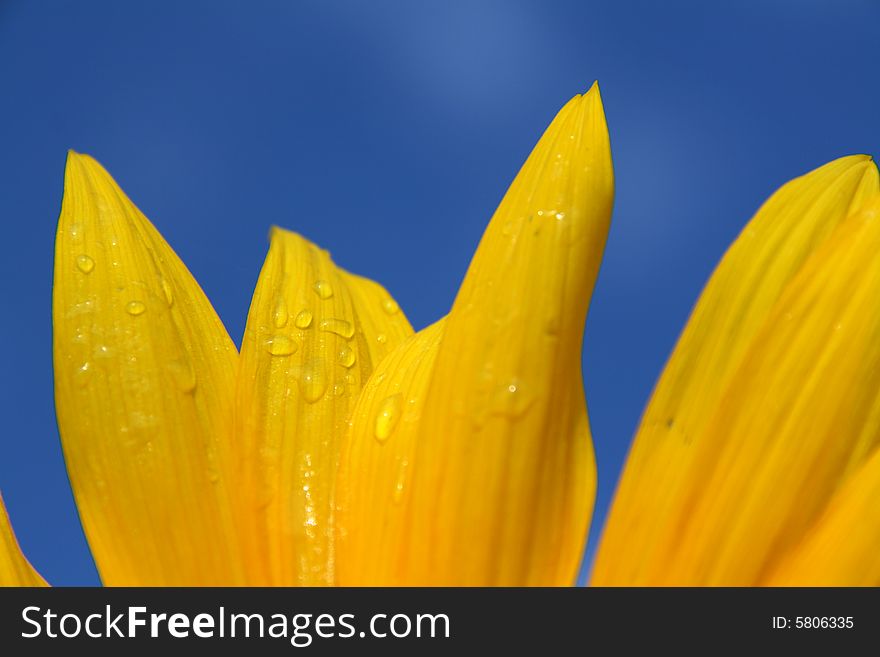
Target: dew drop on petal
x=303 y=319
x=390 y=306
x=83 y=307
x=338 y=390
x=135 y=308
x=85 y=264
x=323 y=289
x=279 y=316
x=511 y=399
x=388 y=416
x=347 y=356
x=313 y=381
x=381 y=338
x=281 y=345
x=341 y=327
x=167 y=292
x=83 y=374
x=182 y=374
x=400 y=482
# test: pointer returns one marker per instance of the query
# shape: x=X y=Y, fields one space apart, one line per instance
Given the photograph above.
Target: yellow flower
x=756 y=458
x=339 y=447
x=463 y=451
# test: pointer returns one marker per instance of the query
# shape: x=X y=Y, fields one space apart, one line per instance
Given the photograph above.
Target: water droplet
x=166 y=290
x=313 y=381
x=102 y=351
x=83 y=374
x=390 y=306
x=142 y=420
x=183 y=375
x=340 y=327
x=75 y=229
x=338 y=390
x=82 y=307
x=135 y=308
x=84 y=263
x=347 y=356
x=303 y=319
x=540 y=213
x=280 y=314
x=281 y=345
x=381 y=338
x=388 y=417
x=323 y=289
x=511 y=399
x=560 y=216
x=400 y=482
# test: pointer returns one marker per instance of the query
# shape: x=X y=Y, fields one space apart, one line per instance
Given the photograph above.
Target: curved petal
x=731 y=310
x=798 y=416
x=373 y=494
x=314 y=335
x=841 y=548
x=144 y=382
x=500 y=485
x=15 y=570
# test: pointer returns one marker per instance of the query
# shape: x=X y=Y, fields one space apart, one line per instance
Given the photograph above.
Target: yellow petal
x=144 y=385
x=841 y=549
x=314 y=335
x=734 y=305
x=500 y=485
x=15 y=570
x=798 y=415
x=373 y=490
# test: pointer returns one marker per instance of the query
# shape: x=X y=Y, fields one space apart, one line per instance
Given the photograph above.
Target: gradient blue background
x=388 y=132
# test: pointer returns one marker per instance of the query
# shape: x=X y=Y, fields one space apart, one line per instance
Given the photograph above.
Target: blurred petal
x=14 y=567
x=500 y=484
x=378 y=316
x=144 y=383
x=798 y=415
x=314 y=335
x=734 y=305
x=842 y=548
x=372 y=483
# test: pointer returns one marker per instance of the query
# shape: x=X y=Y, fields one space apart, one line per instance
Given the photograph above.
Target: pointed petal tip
x=81 y=168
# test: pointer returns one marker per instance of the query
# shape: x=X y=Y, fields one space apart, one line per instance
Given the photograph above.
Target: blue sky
x=388 y=132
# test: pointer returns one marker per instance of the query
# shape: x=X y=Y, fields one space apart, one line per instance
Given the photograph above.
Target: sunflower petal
x=314 y=335
x=798 y=415
x=734 y=305
x=15 y=570
x=501 y=480
x=372 y=482
x=144 y=384
x=841 y=548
